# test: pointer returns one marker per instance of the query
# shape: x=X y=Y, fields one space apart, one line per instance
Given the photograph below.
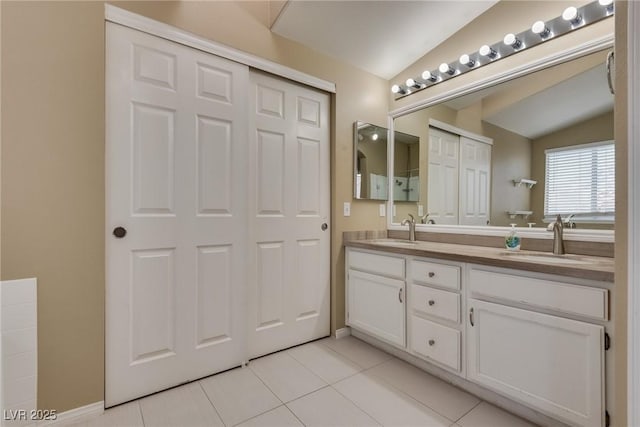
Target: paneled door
x=176 y=131
x=475 y=181
x=442 y=189
x=288 y=259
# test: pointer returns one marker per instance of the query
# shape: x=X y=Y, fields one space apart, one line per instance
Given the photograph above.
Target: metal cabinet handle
x=610 y=63
x=431 y=302
x=432 y=342
x=400 y=295
x=471 y=316
x=431 y=274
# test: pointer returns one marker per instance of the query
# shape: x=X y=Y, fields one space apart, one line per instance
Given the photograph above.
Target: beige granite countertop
x=579 y=266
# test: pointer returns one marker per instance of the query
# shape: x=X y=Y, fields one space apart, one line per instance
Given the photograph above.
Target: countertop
x=579 y=266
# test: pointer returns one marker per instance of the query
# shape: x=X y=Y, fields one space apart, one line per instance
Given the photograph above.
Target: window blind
x=580 y=180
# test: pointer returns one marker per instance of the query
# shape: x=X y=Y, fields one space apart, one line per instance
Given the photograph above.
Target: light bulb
x=540 y=28
x=571 y=14
x=426 y=75
x=395 y=89
x=608 y=4
x=486 y=50
x=445 y=68
x=465 y=60
x=374 y=136
x=412 y=83
x=511 y=40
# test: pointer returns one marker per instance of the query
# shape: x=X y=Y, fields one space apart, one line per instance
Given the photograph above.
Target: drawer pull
x=431 y=274
x=432 y=342
x=400 y=295
x=431 y=302
x=471 y=316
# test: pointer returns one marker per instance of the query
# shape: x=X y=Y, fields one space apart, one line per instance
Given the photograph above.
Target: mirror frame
x=593 y=235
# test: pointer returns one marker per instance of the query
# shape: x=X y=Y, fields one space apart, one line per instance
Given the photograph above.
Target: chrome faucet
x=423 y=218
x=412 y=227
x=557 y=227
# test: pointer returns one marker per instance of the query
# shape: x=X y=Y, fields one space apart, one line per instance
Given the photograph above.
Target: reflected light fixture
x=488 y=51
x=511 y=40
x=465 y=60
x=374 y=137
x=541 y=29
x=427 y=76
x=571 y=14
x=446 y=68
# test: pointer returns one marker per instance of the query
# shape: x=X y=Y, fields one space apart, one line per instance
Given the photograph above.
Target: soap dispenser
x=512 y=240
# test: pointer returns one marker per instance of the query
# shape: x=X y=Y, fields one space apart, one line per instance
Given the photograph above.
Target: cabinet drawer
x=380 y=264
x=447 y=276
x=443 y=304
x=436 y=342
x=547 y=294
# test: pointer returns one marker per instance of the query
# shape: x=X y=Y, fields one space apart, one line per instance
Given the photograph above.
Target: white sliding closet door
x=288 y=203
x=176 y=182
x=475 y=182
x=442 y=184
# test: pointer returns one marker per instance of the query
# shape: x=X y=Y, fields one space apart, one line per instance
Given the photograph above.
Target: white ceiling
x=382 y=37
x=572 y=101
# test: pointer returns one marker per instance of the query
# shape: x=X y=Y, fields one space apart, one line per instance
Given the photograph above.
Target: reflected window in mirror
x=562 y=106
x=580 y=183
x=370 y=168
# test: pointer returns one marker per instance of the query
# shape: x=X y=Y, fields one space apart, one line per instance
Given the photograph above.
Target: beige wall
x=510 y=159
x=596 y=129
x=53 y=164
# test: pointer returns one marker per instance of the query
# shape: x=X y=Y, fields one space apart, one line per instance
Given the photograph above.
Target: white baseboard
x=343 y=332
x=92 y=409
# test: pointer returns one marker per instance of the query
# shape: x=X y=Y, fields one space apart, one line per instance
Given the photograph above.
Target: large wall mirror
x=520 y=152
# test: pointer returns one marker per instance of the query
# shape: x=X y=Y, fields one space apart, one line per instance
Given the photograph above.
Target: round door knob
x=431 y=274
x=431 y=302
x=432 y=342
x=324 y=226
x=119 y=232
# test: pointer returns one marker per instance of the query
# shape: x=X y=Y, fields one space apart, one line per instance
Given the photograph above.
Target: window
x=580 y=180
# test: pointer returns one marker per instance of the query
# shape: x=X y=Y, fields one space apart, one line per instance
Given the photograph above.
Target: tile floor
x=328 y=382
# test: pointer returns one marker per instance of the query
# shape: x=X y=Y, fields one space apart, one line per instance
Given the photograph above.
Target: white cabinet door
x=376 y=305
x=288 y=172
x=550 y=363
x=442 y=185
x=176 y=178
x=475 y=181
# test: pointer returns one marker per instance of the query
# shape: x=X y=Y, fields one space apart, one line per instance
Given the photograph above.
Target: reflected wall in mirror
x=565 y=109
x=370 y=163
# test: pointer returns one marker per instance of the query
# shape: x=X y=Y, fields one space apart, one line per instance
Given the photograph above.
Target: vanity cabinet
x=435 y=332
x=544 y=360
x=535 y=338
x=376 y=295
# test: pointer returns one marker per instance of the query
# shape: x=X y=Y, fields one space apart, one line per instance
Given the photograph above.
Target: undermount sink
x=395 y=242
x=546 y=258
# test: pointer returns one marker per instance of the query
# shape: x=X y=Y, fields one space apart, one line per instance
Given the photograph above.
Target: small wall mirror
x=371 y=178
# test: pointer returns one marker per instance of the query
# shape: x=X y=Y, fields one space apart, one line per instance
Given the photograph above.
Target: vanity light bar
x=572 y=18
